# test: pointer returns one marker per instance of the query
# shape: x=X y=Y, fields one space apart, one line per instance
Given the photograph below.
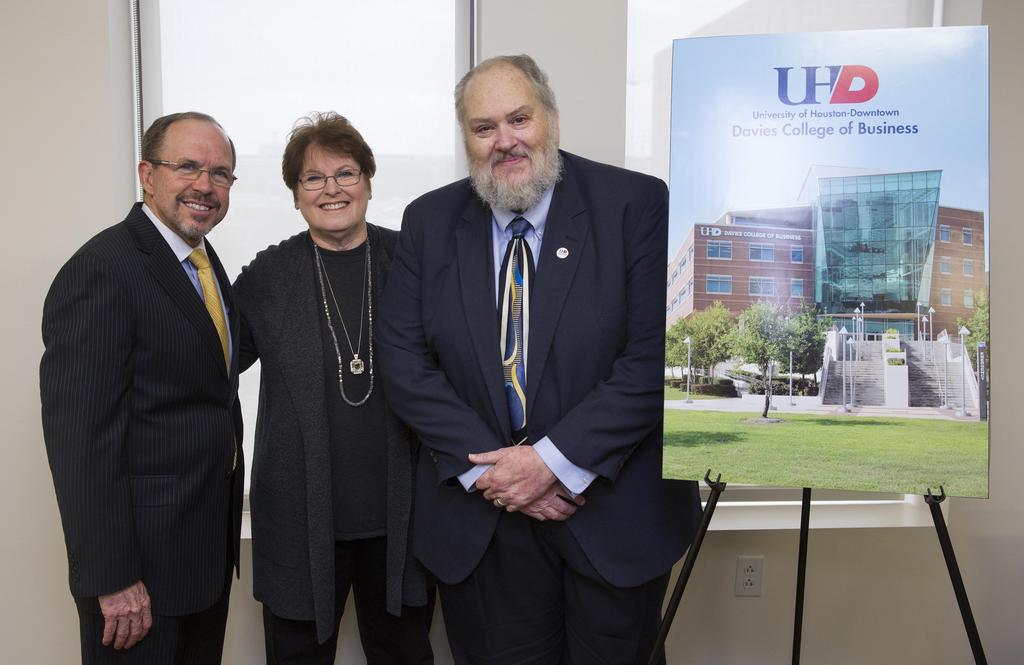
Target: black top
x=293 y=543
x=357 y=437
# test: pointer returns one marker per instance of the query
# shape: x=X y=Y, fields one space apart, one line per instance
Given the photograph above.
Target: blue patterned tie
x=516 y=273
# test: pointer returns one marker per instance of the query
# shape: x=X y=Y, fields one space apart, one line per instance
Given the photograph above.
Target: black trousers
x=192 y=639
x=534 y=599
x=359 y=565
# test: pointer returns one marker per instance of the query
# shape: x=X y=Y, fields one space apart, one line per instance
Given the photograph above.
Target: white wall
x=66 y=172
x=989 y=535
x=873 y=595
x=581 y=44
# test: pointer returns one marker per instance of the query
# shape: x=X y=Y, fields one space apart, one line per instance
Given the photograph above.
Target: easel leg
x=954 y=574
x=801 y=573
x=691 y=558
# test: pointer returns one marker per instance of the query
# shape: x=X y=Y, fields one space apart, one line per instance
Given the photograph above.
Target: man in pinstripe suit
x=140 y=412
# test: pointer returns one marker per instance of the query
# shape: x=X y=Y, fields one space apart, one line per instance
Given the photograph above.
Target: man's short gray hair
x=525 y=64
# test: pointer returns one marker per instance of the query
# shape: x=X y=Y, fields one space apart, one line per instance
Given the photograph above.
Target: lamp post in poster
x=964 y=332
x=863 y=336
x=842 y=352
x=791 y=402
x=944 y=338
x=689 y=368
x=857 y=329
x=853 y=374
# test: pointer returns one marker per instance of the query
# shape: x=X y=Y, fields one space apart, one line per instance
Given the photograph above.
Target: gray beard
x=504 y=196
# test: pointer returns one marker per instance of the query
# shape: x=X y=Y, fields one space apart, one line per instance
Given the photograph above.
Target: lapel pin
x=562 y=252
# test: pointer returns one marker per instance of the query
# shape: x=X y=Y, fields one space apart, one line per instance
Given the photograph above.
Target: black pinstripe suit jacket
x=141 y=418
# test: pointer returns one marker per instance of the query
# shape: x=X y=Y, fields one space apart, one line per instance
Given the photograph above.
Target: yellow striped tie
x=212 y=297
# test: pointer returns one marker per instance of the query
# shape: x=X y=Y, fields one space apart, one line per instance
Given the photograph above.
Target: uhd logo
x=710 y=231
x=847 y=84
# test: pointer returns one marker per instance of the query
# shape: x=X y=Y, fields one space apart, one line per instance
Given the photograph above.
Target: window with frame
x=796 y=253
x=761 y=252
x=968 y=235
x=191 y=65
x=943 y=233
x=946 y=297
x=945 y=264
x=682 y=263
x=968 y=267
x=720 y=249
x=969 y=299
x=796 y=288
x=721 y=284
x=682 y=294
x=761 y=286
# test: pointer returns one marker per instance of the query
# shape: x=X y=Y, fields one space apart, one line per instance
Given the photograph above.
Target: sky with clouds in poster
x=736 y=145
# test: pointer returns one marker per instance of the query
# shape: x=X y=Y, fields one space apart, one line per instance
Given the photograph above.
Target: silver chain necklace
x=356 y=366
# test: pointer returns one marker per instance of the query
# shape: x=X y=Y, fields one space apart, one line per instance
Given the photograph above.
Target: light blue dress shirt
x=575 y=479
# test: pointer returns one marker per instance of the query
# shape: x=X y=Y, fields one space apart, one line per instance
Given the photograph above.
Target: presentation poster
x=827 y=303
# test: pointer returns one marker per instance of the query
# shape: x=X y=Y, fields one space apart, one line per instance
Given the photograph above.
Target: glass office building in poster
x=877 y=239
x=827 y=285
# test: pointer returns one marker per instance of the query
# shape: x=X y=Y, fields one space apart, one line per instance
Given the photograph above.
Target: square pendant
x=356 y=366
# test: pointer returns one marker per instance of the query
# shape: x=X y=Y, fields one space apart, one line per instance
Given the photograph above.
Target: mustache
x=506 y=154
x=206 y=199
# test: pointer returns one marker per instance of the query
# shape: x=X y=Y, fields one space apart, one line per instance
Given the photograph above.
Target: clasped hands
x=519 y=480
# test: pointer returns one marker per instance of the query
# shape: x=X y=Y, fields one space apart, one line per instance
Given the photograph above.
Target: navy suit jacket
x=594 y=372
x=141 y=418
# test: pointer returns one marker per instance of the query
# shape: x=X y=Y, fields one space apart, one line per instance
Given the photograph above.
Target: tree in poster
x=978 y=325
x=760 y=338
x=805 y=337
x=710 y=333
x=675 y=347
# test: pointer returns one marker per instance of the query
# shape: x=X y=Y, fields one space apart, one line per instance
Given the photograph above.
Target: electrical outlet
x=749 y=574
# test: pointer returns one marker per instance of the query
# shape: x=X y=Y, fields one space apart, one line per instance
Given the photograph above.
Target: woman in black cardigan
x=332 y=468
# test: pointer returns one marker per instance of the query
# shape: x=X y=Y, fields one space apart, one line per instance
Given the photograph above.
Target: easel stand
x=691 y=558
x=954 y=574
x=801 y=573
x=805 y=512
x=947 y=552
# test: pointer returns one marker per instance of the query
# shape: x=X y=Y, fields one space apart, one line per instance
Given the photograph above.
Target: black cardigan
x=290 y=491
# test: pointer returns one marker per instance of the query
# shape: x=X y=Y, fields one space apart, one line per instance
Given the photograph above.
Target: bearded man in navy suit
x=522 y=338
